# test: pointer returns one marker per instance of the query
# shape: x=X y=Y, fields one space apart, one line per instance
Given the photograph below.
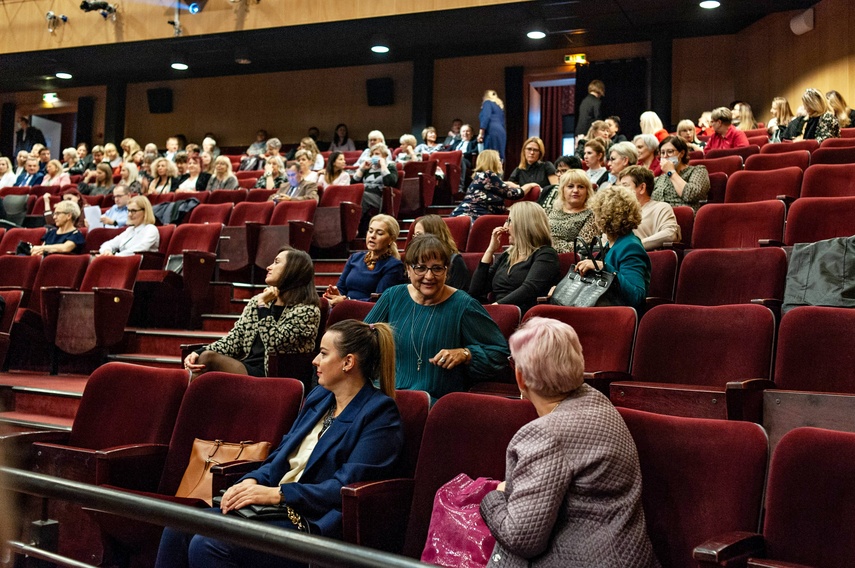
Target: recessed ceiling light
x=178 y=66
x=63 y=75
x=380 y=48
x=536 y=34
x=710 y=4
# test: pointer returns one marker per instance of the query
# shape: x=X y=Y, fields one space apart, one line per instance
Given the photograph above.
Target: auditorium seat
x=686 y=219
x=239 y=239
x=663 y=276
x=337 y=217
x=700 y=478
x=829 y=180
x=299 y=365
x=216 y=406
x=482 y=231
x=813 y=219
x=227 y=196
x=809 y=515
x=12 y=299
x=779 y=147
x=717 y=277
x=415 y=200
x=19 y=273
x=724 y=164
x=837 y=143
x=397 y=512
x=749 y=186
x=738 y=225
x=97 y=237
x=207 y=213
x=743 y=151
x=833 y=156
x=349 y=309
x=758 y=141
x=256 y=195
x=449 y=163
x=701 y=362
x=139 y=404
x=291 y=224
x=13 y=237
x=718 y=186
x=247 y=182
x=764 y=162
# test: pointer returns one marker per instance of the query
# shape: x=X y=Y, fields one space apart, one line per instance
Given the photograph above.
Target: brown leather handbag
x=206 y=453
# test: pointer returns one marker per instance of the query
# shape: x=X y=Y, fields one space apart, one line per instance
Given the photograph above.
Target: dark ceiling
x=435 y=35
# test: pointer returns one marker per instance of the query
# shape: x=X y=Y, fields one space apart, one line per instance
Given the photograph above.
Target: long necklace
x=424 y=333
x=328 y=420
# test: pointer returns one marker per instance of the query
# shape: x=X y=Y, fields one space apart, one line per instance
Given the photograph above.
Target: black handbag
x=268 y=513
x=596 y=288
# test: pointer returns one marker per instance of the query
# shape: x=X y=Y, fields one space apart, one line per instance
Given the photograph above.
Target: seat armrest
x=187 y=348
x=227 y=474
x=769 y=243
x=153 y=260
x=763 y=563
x=17 y=447
x=787 y=199
x=125 y=466
x=670 y=245
x=543 y=299
x=376 y=513
x=745 y=399
x=730 y=549
x=602 y=380
x=653 y=301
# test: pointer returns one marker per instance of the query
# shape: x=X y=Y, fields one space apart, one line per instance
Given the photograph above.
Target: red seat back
x=506 y=316
x=815 y=350
x=607 y=334
x=715 y=277
x=206 y=213
x=718 y=186
x=847 y=132
x=454 y=157
x=257 y=195
x=97 y=237
x=13 y=237
x=663 y=273
x=798 y=158
x=814 y=219
x=334 y=195
x=201 y=196
x=139 y=404
x=227 y=196
x=350 y=156
x=748 y=186
x=758 y=141
x=725 y=164
x=809 y=145
x=294 y=211
x=57 y=270
x=700 y=478
x=18 y=271
x=39 y=206
x=413 y=406
x=165 y=232
x=829 y=180
x=686 y=219
x=704 y=345
x=247 y=182
x=194 y=237
x=738 y=225
x=482 y=230
x=743 y=151
x=111 y=272
x=459 y=228
x=13 y=302
x=838 y=143
x=251 y=212
x=833 y=156
x=349 y=309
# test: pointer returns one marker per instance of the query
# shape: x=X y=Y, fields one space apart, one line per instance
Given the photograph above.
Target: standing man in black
x=27 y=136
x=590 y=108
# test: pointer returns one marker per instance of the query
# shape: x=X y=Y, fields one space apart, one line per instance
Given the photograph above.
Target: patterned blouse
x=696 y=190
x=486 y=196
x=566 y=227
x=294 y=332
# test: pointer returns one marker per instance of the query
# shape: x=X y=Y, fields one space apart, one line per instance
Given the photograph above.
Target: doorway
x=550 y=113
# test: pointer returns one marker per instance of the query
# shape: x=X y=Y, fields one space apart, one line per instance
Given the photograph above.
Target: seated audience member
x=222 y=178
x=658 y=222
x=112 y=156
x=180 y=162
x=458 y=273
x=680 y=183
x=97 y=156
x=347 y=431
x=429 y=144
x=117 y=215
x=374 y=137
x=613 y=123
x=341 y=140
x=172 y=147
x=316 y=160
x=687 y=132
x=595 y=159
x=210 y=145
x=372 y=271
x=144 y=176
x=98 y=181
x=376 y=173
x=533 y=169
x=819 y=122
x=284 y=318
x=577 y=457
x=65 y=238
x=195 y=179
x=782 y=114
x=129 y=148
x=21 y=160
x=130 y=178
x=141 y=234
x=617 y=213
x=297 y=188
x=71 y=194
x=335 y=173
x=83 y=155
x=725 y=135
x=163 y=174
x=570 y=217
x=651 y=124
x=742 y=117
x=445 y=340
x=305 y=161
x=71 y=163
x=705 y=124
x=562 y=166
x=528 y=269
x=837 y=105
x=599 y=130
x=31 y=175
x=206 y=161
x=407 y=151
x=54 y=175
x=43 y=154
x=7 y=173
x=259 y=146
x=274 y=175
x=453 y=135
x=621 y=155
x=648 y=149
x=487 y=193
x=468 y=147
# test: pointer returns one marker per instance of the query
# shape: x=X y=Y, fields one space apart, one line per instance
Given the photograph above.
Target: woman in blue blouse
x=65 y=238
x=487 y=193
x=617 y=212
x=374 y=270
x=492 y=119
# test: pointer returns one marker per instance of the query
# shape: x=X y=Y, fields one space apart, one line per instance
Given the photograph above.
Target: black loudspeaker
x=568 y=124
x=381 y=91
x=85 y=119
x=7 y=131
x=159 y=101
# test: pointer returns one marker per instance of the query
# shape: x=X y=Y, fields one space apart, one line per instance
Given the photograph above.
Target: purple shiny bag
x=457 y=536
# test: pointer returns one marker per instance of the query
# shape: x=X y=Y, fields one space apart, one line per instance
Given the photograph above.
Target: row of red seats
x=832 y=151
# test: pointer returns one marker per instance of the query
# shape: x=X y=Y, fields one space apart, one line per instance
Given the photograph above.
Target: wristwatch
x=669 y=174
x=281 y=498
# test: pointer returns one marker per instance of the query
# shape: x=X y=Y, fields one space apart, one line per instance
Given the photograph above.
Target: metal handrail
x=316 y=550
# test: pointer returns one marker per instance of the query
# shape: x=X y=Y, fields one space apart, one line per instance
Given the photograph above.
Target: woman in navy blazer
x=347 y=431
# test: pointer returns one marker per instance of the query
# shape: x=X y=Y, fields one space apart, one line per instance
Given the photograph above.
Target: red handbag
x=457 y=536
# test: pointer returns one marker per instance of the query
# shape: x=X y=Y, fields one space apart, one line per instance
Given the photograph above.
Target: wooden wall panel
x=30 y=102
x=700 y=81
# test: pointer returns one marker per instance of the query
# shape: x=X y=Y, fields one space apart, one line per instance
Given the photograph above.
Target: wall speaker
x=380 y=91
x=802 y=23
x=159 y=101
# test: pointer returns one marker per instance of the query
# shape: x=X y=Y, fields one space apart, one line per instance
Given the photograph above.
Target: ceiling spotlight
x=379 y=44
x=196 y=7
x=179 y=66
x=242 y=56
x=536 y=34
x=53 y=20
x=102 y=8
x=63 y=75
x=710 y=4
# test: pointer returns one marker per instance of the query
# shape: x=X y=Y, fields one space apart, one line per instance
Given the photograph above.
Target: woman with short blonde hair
x=571 y=217
x=222 y=178
x=162 y=173
x=651 y=124
x=141 y=234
